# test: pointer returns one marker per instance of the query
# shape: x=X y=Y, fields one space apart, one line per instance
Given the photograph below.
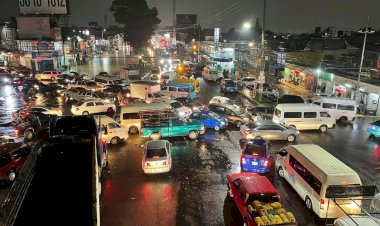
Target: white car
x=114 y=133
x=157 y=157
x=223 y=100
x=180 y=109
x=88 y=107
x=47 y=75
x=271 y=91
x=46 y=110
x=247 y=81
x=86 y=84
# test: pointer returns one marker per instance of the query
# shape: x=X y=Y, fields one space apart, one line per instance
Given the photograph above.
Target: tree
x=138 y=20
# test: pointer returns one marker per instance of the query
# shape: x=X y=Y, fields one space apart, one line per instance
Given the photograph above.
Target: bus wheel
x=133 y=129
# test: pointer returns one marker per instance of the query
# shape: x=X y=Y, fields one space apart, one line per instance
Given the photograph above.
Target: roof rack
x=351 y=192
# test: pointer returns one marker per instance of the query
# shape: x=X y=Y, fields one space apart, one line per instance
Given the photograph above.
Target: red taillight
x=255 y=154
x=243 y=160
x=165 y=163
x=322 y=206
x=104 y=141
x=147 y=164
x=15 y=131
x=247 y=132
x=265 y=163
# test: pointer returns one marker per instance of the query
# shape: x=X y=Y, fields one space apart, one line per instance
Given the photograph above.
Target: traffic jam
x=170 y=104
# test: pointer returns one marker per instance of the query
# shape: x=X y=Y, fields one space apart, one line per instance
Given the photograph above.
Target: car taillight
x=255 y=154
x=265 y=162
x=243 y=160
x=147 y=164
x=165 y=163
x=247 y=132
x=322 y=205
x=104 y=141
x=15 y=131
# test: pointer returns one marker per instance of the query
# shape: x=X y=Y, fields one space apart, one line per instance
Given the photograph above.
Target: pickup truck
x=257 y=200
x=156 y=124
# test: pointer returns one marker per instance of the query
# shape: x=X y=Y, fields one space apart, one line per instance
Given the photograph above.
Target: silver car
x=269 y=131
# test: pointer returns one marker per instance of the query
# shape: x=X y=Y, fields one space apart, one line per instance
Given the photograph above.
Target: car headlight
x=161 y=61
x=182 y=113
x=223 y=123
x=298 y=132
x=5 y=79
x=93 y=90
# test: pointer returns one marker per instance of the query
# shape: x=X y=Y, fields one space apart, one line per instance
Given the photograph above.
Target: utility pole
x=174 y=24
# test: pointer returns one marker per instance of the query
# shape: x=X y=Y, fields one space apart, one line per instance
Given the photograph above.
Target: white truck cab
x=115 y=133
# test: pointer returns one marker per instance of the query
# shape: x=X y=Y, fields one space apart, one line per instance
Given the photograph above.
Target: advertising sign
x=186 y=19
x=216 y=35
x=44 y=6
x=33 y=27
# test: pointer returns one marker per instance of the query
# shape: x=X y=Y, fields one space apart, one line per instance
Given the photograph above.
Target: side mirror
x=282 y=152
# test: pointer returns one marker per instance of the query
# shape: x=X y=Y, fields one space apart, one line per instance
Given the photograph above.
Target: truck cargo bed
x=60 y=192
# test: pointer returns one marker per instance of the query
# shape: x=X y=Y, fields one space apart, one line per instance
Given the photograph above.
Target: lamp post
x=365 y=31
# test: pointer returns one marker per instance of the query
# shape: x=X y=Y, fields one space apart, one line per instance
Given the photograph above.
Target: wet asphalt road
x=194 y=192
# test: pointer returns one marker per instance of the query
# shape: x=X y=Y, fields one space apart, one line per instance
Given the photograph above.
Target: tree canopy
x=138 y=20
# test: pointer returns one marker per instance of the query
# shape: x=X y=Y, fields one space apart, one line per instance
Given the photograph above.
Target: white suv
x=87 y=107
x=47 y=75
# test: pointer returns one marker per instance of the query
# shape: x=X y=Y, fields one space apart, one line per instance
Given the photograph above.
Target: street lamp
x=246 y=27
x=365 y=31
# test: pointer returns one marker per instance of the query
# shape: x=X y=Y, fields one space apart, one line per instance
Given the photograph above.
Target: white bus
x=342 y=109
x=130 y=115
x=310 y=170
x=303 y=117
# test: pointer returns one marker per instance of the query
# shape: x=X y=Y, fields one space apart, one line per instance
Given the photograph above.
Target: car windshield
x=214 y=115
x=228 y=101
x=156 y=153
x=229 y=82
x=79 y=103
x=253 y=147
x=90 y=83
x=176 y=104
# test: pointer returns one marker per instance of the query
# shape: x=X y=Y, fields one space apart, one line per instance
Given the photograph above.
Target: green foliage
x=308 y=59
x=138 y=20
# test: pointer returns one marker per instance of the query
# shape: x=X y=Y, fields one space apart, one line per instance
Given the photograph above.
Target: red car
x=257 y=200
x=12 y=158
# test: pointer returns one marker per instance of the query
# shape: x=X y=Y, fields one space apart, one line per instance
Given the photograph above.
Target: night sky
x=282 y=15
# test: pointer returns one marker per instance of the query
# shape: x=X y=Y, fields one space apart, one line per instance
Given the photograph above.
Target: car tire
x=323 y=128
x=115 y=140
x=28 y=134
x=109 y=111
x=238 y=124
x=216 y=128
x=133 y=130
x=281 y=172
x=11 y=176
x=193 y=135
x=308 y=203
x=85 y=113
x=155 y=136
x=343 y=119
x=291 y=138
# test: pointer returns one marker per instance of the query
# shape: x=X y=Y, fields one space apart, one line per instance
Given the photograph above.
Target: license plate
x=254 y=163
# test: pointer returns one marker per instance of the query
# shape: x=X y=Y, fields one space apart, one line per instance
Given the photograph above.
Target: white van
x=115 y=132
x=211 y=74
x=342 y=109
x=130 y=114
x=310 y=170
x=303 y=117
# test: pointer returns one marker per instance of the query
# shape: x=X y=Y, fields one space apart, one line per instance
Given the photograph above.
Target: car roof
x=156 y=144
x=254 y=183
x=9 y=147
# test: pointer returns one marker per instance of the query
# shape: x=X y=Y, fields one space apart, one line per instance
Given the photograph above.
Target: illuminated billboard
x=44 y=7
